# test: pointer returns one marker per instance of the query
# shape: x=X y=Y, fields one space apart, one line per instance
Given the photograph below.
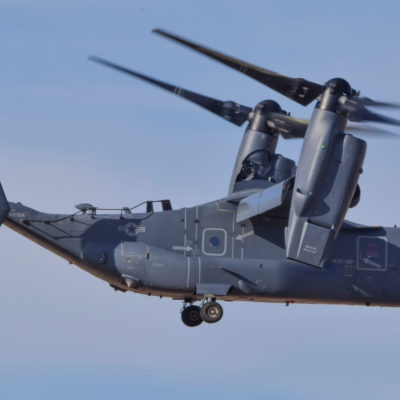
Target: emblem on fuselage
x=131 y=229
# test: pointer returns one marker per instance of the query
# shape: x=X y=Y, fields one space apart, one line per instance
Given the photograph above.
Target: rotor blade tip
x=165 y=33
x=96 y=59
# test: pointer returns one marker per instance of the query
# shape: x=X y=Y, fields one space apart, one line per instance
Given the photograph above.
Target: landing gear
x=211 y=312
x=191 y=316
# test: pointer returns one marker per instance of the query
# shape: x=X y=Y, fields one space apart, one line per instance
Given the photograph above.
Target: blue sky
x=76 y=132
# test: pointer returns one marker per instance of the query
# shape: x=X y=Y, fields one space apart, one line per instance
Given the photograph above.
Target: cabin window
x=214 y=241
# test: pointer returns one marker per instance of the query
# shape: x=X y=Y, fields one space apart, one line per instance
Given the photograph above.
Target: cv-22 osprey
x=280 y=235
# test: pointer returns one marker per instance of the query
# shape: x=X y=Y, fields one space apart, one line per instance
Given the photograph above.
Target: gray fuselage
x=193 y=252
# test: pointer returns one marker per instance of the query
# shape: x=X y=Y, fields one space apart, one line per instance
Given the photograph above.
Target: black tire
x=211 y=312
x=191 y=316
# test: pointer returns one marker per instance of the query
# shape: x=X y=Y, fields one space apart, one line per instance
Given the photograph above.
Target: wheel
x=191 y=316
x=211 y=312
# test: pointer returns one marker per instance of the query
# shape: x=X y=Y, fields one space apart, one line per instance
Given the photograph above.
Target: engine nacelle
x=328 y=170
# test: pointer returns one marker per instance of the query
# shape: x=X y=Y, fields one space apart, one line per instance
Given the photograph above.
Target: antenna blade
x=297 y=89
x=229 y=110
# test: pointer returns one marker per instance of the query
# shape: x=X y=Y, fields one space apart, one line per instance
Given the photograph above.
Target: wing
x=274 y=200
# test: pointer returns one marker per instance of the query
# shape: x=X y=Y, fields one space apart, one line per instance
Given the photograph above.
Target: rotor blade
x=371 y=131
x=356 y=103
x=229 y=110
x=297 y=89
x=363 y=114
x=367 y=102
x=295 y=128
x=289 y=127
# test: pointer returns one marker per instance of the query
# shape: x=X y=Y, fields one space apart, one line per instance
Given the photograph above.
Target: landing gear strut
x=209 y=312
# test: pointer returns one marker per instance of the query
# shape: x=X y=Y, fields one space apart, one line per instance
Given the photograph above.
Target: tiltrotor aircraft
x=280 y=235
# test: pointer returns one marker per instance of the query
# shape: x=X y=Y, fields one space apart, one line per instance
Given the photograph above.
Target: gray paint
x=249 y=257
